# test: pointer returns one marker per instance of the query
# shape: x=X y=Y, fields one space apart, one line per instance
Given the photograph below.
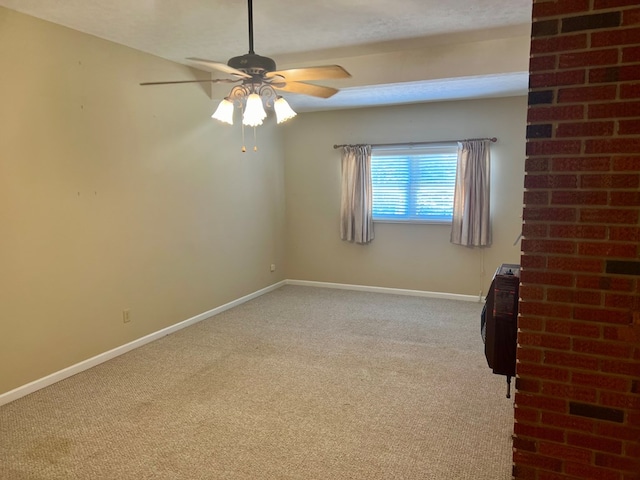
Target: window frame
x=409 y=151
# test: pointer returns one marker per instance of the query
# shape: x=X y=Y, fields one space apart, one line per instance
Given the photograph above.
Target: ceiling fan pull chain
x=244 y=149
x=255 y=140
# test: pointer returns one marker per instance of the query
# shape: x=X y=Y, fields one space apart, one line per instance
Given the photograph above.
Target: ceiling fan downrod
x=251 y=52
x=254 y=65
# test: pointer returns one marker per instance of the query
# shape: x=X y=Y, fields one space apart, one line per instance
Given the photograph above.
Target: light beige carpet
x=301 y=383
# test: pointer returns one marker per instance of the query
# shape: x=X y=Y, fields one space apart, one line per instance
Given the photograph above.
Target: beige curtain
x=471 y=225
x=356 y=221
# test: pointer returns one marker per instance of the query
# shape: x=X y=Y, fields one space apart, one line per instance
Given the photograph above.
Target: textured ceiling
x=290 y=29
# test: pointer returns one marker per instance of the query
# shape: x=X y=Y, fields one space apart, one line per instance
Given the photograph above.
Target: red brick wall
x=577 y=412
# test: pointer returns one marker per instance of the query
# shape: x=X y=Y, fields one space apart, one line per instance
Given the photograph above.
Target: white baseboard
x=24 y=390
x=394 y=291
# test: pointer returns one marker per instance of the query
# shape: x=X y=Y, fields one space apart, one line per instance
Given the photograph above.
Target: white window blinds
x=414 y=184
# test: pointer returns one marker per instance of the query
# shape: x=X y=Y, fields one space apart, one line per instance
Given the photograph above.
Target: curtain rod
x=414 y=144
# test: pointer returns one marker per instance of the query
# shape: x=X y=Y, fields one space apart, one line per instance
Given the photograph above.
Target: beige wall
x=115 y=196
x=409 y=256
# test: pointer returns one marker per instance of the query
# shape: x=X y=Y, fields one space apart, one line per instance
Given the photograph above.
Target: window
x=414 y=184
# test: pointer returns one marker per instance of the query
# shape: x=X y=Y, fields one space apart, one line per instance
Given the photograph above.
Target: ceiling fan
x=260 y=80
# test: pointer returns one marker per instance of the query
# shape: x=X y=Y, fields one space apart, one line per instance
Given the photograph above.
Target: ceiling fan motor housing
x=252 y=64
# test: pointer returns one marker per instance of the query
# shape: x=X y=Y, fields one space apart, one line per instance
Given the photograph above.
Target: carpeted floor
x=301 y=383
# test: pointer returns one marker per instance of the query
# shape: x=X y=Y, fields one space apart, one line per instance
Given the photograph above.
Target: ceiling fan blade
x=307 y=89
x=220 y=67
x=311 y=73
x=212 y=80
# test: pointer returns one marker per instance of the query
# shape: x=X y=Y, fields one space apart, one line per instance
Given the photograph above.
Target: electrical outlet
x=273 y=267
x=126 y=318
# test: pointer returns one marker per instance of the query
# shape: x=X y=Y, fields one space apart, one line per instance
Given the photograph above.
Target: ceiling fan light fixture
x=224 y=112
x=283 y=110
x=257 y=82
x=254 y=112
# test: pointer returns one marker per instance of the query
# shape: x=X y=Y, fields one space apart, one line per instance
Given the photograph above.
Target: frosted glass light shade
x=254 y=112
x=224 y=112
x=283 y=110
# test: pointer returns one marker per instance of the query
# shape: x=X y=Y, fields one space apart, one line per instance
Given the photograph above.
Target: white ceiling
x=296 y=33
